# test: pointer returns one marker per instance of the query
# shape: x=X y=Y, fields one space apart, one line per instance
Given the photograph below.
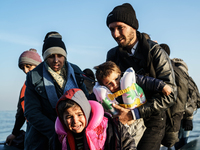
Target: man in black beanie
x=147 y=58
x=44 y=86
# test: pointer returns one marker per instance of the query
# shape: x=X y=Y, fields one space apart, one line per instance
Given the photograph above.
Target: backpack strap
x=79 y=75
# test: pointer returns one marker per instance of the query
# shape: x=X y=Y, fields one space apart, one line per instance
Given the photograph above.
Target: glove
x=187 y=125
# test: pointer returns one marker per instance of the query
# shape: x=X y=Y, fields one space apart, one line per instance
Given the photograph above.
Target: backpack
x=182 y=83
x=175 y=112
x=193 y=100
x=188 y=100
x=193 y=94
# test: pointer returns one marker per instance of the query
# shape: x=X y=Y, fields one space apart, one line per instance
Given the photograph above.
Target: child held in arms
x=127 y=91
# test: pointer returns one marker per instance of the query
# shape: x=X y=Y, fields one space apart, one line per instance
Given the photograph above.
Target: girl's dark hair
x=89 y=73
x=63 y=105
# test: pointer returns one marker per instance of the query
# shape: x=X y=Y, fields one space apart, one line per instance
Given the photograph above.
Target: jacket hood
x=78 y=96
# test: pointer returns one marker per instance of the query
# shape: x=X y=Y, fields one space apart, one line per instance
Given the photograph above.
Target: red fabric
x=71 y=140
x=22 y=95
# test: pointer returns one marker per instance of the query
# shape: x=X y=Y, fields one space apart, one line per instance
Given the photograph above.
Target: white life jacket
x=132 y=94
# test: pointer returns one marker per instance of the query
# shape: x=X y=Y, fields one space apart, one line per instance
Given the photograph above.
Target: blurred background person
x=28 y=60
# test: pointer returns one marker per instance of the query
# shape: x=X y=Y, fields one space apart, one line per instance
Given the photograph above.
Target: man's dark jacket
x=151 y=60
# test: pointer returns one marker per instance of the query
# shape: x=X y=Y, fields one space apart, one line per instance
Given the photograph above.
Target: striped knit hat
x=53 y=44
x=30 y=57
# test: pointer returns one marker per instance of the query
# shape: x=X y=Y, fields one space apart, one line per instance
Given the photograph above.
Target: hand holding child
x=125 y=115
x=167 y=90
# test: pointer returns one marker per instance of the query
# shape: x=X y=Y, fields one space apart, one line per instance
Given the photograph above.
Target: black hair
x=63 y=105
x=166 y=48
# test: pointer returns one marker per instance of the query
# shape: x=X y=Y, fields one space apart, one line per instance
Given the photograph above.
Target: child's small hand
x=166 y=90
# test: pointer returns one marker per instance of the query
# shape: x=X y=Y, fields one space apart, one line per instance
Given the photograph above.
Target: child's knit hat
x=29 y=57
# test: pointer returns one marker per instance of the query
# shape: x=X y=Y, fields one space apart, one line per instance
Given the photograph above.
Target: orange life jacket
x=22 y=93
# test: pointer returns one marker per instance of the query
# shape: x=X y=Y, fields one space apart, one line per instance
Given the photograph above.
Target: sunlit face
x=56 y=61
x=112 y=82
x=26 y=67
x=74 y=119
x=123 y=34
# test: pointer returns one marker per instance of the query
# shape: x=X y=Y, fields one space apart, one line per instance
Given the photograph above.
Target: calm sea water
x=7 y=120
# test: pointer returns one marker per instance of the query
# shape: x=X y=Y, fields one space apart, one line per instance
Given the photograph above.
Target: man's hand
x=187 y=125
x=125 y=115
x=10 y=138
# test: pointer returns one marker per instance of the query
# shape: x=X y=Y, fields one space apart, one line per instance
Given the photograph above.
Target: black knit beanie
x=123 y=13
x=52 y=34
x=53 y=45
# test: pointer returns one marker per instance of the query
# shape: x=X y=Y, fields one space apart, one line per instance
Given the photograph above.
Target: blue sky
x=82 y=24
